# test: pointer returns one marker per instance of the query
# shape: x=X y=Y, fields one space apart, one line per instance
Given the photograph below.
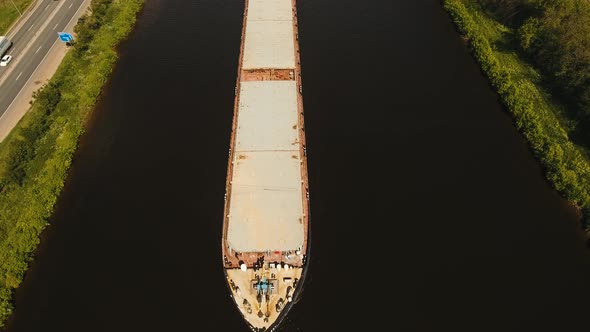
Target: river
x=428 y=211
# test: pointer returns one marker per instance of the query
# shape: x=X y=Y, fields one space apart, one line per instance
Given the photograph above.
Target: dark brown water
x=428 y=211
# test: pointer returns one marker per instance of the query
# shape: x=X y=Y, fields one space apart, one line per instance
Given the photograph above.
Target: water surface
x=428 y=211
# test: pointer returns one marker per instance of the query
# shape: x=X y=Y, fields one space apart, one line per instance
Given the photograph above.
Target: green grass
x=501 y=40
x=36 y=155
x=541 y=120
x=9 y=13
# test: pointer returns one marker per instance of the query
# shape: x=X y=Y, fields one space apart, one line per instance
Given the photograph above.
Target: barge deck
x=265 y=238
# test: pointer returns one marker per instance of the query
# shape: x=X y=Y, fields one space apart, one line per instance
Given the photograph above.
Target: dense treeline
x=36 y=155
x=536 y=116
x=555 y=36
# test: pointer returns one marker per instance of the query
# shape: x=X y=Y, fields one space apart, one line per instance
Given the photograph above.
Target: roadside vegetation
x=536 y=54
x=10 y=11
x=36 y=155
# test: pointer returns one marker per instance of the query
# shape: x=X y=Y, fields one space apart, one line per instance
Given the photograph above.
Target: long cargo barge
x=266 y=234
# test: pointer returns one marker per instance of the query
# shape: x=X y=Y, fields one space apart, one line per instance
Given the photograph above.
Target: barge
x=266 y=234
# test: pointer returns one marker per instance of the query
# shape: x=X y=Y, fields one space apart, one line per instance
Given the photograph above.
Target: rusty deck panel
x=268 y=75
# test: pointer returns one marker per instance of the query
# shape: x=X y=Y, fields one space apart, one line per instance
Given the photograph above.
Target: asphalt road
x=31 y=43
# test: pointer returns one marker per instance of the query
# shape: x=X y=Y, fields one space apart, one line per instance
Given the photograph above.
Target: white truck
x=5 y=44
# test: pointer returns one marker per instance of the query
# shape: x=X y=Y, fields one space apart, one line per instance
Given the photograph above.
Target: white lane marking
x=29 y=29
x=18 y=76
x=34 y=71
x=55 y=27
x=37 y=51
x=46 y=8
x=71 y=5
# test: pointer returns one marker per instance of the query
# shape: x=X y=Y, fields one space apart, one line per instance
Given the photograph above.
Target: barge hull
x=265 y=237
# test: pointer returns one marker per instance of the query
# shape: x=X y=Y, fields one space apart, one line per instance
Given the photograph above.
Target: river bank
x=473 y=220
x=536 y=115
x=35 y=157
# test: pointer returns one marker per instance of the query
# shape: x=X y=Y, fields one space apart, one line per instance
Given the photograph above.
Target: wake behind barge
x=266 y=233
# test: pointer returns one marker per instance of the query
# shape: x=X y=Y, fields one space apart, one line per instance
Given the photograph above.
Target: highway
x=32 y=40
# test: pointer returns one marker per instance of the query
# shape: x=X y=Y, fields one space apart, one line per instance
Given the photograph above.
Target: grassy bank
x=10 y=12
x=35 y=157
x=538 y=118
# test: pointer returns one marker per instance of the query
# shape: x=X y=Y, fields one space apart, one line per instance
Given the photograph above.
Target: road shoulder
x=48 y=66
